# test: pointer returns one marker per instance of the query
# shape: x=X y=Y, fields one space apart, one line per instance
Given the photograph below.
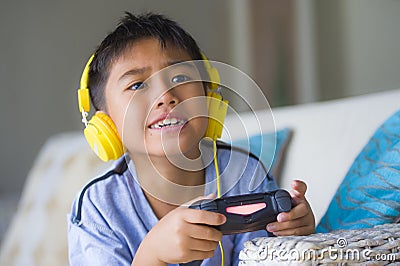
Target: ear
x=101 y=112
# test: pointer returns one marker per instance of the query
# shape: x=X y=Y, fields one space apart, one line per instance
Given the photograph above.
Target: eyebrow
x=142 y=70
x=133 y=72
x=182 y=63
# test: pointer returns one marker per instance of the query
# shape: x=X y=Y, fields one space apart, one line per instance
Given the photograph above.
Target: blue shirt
x=111 y=215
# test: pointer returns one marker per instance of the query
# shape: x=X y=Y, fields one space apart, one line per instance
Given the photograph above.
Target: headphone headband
x=83 y=92
x=212 y=72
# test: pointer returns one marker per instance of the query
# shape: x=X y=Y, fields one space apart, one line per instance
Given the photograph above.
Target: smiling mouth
x=168 y=122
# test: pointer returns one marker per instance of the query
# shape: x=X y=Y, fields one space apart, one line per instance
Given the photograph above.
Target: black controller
x=249 y=212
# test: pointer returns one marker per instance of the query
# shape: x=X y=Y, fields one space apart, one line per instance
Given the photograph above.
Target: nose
x=165 y=94
x=167 y=99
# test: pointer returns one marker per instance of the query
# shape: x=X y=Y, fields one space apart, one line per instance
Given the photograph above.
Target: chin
x=188 y=148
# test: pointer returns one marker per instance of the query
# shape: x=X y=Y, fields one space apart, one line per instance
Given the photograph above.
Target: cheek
x=203 y=124
x=199 y=114
x=132 y=125
x=193 y=103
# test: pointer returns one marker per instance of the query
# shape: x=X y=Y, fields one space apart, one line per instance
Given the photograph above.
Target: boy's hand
x=300 y=220
x=183 y=235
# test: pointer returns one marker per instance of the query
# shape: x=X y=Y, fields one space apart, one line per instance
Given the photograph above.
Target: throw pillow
x=370 y=192
x=269 y=147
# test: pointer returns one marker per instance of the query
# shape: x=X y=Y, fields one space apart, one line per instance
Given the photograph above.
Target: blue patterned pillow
x=265 y=147
x=370 y=192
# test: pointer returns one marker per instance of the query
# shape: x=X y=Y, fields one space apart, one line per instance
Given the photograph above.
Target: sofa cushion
x=370 y=192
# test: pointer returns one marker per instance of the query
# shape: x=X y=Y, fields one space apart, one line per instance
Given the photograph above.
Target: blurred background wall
x=297 y=51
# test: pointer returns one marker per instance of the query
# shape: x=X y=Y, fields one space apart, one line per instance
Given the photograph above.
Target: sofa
x=326 y=138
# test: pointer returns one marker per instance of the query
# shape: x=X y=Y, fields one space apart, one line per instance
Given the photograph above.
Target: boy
x=131 y=215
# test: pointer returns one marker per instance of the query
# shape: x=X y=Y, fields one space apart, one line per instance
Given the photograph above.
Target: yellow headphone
x=101 y=132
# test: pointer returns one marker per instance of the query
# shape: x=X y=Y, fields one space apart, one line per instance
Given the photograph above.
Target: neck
x=170 y=182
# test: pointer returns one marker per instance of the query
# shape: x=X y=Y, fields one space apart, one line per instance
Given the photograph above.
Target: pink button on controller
x=246 y=209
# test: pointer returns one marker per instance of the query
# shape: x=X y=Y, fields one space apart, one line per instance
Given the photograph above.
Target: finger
x=205 y=232
x=203 y=217
x=298 y=211
x=209 y=197
x=203 y=245
x=303 y=230
x=299 y=188
x=297 y=201
x=199 y=255
x=281 y=226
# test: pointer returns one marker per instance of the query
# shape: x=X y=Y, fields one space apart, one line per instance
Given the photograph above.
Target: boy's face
x=156 y=114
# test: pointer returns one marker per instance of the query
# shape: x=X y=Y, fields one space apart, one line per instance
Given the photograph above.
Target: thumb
x=209 y=196
x=299 y=189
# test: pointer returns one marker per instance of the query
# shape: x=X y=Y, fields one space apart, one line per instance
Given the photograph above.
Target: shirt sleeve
x=94 y=243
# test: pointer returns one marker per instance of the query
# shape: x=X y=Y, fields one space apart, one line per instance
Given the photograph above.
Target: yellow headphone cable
x=218 y=194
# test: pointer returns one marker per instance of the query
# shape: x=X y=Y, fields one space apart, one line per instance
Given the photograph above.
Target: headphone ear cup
x=217 y=109
x=102 y=136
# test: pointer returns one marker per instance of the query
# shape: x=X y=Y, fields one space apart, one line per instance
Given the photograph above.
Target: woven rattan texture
x=379 y=245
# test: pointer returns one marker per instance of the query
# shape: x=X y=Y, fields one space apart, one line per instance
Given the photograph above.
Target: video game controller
x=249 y=212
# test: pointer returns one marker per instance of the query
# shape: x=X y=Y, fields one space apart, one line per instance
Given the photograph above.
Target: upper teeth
x=167 y=122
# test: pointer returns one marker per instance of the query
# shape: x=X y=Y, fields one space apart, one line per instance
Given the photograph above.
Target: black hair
x=132 y=28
